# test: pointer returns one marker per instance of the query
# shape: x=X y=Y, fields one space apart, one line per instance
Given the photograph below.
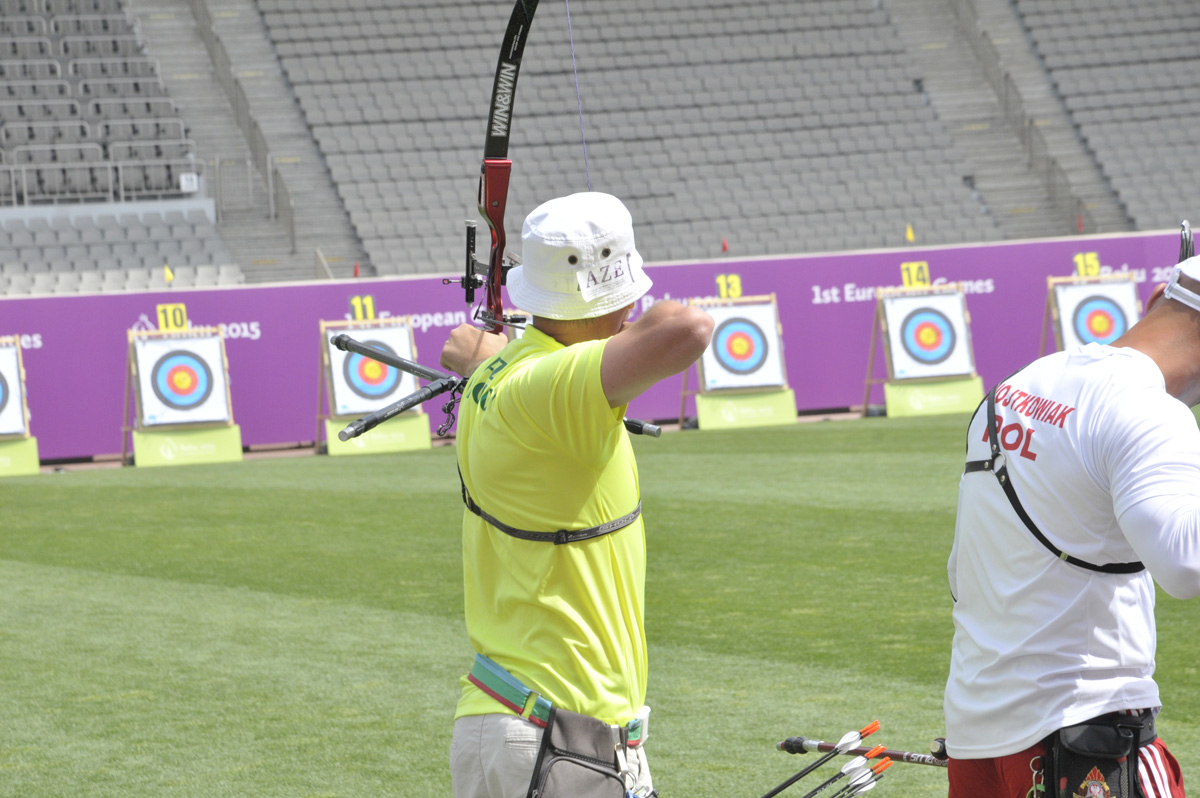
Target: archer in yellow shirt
x=542 y=448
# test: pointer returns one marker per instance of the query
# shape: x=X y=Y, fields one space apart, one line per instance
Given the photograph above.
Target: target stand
x=742 y=375
x=1084 y=310
x=18 y=449
x=927 y=344
x=179 y=383
x=357 y=386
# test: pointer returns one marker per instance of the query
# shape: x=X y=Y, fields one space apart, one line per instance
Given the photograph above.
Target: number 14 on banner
x=915 y=274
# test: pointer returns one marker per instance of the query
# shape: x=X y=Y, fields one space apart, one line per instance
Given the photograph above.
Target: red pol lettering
x=1013 y=437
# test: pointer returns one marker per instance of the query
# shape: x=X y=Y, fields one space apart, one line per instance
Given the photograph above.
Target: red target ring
x=927 y=336
x=739 y=346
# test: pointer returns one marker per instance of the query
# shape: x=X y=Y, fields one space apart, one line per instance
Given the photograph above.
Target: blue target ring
x=1098 y=319
x=181 y=379
x=740 y=346
x=927 y=336
x=369 y=378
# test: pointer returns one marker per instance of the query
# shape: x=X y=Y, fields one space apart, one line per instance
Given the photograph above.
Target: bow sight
x=471 y=281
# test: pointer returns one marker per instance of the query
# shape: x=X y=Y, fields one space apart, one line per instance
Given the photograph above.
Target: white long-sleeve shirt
x=1107 y=465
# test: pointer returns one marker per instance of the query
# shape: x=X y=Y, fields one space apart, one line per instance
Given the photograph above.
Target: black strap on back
x=557 y=538
x=1001 y=474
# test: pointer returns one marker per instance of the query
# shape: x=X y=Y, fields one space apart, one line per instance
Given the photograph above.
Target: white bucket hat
x=579 y=259
x=1188 y=268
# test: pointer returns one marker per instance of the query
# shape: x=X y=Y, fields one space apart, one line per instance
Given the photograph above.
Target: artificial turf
x=293 y=626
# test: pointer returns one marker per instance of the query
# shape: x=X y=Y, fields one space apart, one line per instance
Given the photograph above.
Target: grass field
x=292 y=627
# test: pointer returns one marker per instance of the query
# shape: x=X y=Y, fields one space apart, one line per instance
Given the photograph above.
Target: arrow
x=856 y=768
x=804 y=745
x=849 y=740
x=868 y=781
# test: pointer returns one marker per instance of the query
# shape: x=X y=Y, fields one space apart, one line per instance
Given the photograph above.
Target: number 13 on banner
x=172 y=317
x=729 y=286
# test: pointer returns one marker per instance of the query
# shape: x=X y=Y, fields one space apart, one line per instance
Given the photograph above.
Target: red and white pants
x=1020 y=775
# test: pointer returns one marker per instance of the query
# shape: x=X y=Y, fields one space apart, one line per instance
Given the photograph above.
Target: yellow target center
x=928 y=336
x=739 y=346
x=183 y=381
x=372 y=370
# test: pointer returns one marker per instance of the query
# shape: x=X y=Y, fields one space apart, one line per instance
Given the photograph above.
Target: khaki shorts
x=492 y=756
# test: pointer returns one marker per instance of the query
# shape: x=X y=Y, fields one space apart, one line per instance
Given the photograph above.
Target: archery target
x=746 y=351
x=927 y=336
x=740 y=346
x=12 y=397
x=1095 y=312
x=182 y=381
x=367 y=377
x=361 y=385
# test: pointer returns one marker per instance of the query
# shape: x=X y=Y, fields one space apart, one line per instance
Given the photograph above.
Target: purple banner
x=76 y=347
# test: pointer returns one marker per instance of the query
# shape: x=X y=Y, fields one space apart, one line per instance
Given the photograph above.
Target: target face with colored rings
x=181 y=379
x=369 y=378
x=740 y=346
x=1099 y=319
x=3 y=393
x=927 y=335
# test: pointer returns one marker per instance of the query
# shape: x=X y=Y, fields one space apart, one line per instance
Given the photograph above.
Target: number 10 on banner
x=172 y=317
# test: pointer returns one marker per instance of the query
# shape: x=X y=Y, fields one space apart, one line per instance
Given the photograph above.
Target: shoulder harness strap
x=557 y=538
x=997 y=465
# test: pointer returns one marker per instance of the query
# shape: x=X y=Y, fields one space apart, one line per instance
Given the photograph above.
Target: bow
x=493 y=191
x=493 y=197
x=494 y=175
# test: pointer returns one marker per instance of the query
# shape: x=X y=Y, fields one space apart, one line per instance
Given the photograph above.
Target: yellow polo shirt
x=540 y=449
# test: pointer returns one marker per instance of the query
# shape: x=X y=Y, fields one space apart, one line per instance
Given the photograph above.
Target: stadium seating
x=86 y=118
x=768 y=126
x=1124 y=72
x=104 y=252
x=834 y=147
x=76 y=72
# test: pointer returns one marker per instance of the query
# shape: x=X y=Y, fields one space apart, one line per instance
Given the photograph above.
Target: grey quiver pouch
x=1101 y=753
x=577 y=759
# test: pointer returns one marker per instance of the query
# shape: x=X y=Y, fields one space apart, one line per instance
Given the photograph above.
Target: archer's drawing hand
x=469 y=346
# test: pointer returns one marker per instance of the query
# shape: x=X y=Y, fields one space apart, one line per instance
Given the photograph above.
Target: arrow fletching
x=849 y=740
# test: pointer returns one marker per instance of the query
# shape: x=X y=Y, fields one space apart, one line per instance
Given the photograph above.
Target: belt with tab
x=529 y=704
